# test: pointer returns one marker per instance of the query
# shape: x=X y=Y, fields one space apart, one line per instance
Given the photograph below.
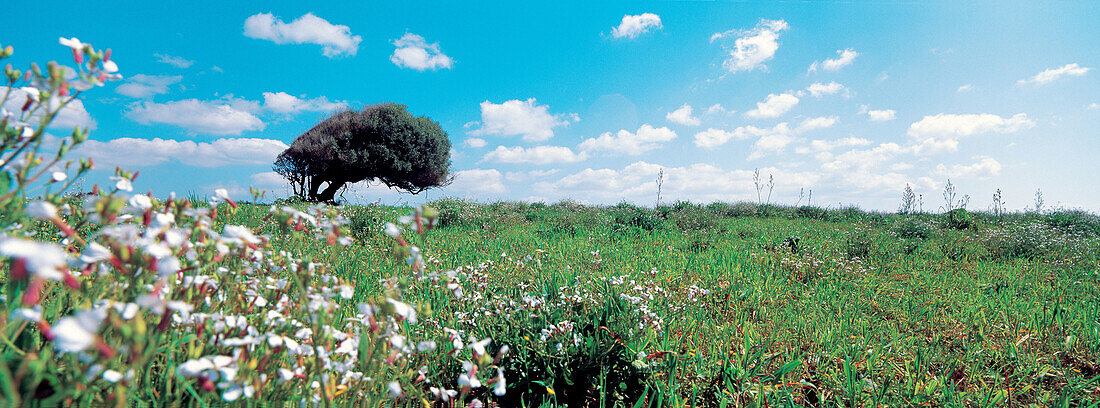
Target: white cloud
x=773 y=106
x=336 y=40
x=515 y=117
x=178 y=62
x=534 y=155
x=1093 y=106
x=828 y=145
x=698 y=182
x=133 y=152
x=212 y=117
x=844 y=58
x=524 y=176
x=816 y=123
x=882 y=115
x=753 y=47
x=861 y=170
x=941 y=133
x=1052 y=74
x=70 y=116
x=818 y=89
x=772 y=140
x=624 y=142
x=716 y=108
x=282 y=102
x=145 y=86
x=267 y=179
x=634 y=25
x=475 y=142
x=768 y=139
x=478 y=181
x=984 y=168
x=965 y=88
x=683 y=116
x=413 y=52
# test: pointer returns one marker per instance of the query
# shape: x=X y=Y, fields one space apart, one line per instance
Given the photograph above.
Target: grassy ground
x=737 y=305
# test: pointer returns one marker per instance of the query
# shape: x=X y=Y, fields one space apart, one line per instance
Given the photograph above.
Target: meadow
x=114 y=298
x=748 y=305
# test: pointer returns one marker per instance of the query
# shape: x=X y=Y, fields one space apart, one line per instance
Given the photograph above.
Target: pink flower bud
x=18 y=269
x=33 y=295
x=71 y=281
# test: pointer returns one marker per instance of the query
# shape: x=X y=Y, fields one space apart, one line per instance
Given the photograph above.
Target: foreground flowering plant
x=112 y=296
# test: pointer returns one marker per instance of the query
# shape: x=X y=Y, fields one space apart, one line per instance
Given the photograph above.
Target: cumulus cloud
x=70 y=116
x=984 y=168
x=716 y=108
x=534 y=155
x=267 y=179
x=475 y=142
x=754 y=47
x=145 y=86
x=624 y=142
x=773 y=106
x=844 y=58
x=941 y=133
x=478 y=181
x=862 y=170
x=634 y=25
x=683 y=116
x=965 y=88
x=524 y=118
x=523 y=176
x=698 y=182
x=282 y=102
x=414 y=52
x=1053 y=74
x=336 y=40
x=768 y=139
x=135 y=152
x=881 y=115
x=212 y=117
x=178 y=62
x=816 y=123
x=818 y=89
x=829 y=145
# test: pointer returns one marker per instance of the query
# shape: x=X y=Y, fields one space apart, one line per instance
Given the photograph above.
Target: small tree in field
x=382 y=143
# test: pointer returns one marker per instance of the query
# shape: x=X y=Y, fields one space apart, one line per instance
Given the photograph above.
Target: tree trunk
x=329 y=194
x=314 y=185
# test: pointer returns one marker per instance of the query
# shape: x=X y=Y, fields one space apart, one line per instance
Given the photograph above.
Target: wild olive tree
x=383 y=143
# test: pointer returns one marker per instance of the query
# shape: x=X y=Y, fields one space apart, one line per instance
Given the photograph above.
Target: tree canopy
x=383 y=142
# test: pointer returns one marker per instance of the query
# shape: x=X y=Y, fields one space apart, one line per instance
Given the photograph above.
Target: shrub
x=858 y=244
x=1074 y=221
x=958 y=219
x=811 y=212
x=633 y=216
x=912 y=228
x=738 y=209
x=695 y=218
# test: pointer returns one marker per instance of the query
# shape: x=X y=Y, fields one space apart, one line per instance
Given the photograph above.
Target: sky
x=589 y=101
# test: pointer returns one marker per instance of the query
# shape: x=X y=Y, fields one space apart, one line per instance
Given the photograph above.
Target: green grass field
x=740 y=305
x=725 y=305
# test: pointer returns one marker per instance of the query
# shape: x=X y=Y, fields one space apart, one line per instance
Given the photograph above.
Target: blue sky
x=589 y=101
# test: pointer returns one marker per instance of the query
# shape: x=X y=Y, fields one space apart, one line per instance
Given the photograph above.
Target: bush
x=913 y=229
x=633 y=216
x=858 y=244
x=958 y=219
x=811 y=212
x=690 y=217
x=1074 y=221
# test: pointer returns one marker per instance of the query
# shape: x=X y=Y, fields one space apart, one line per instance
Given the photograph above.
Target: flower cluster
x=123 y=297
